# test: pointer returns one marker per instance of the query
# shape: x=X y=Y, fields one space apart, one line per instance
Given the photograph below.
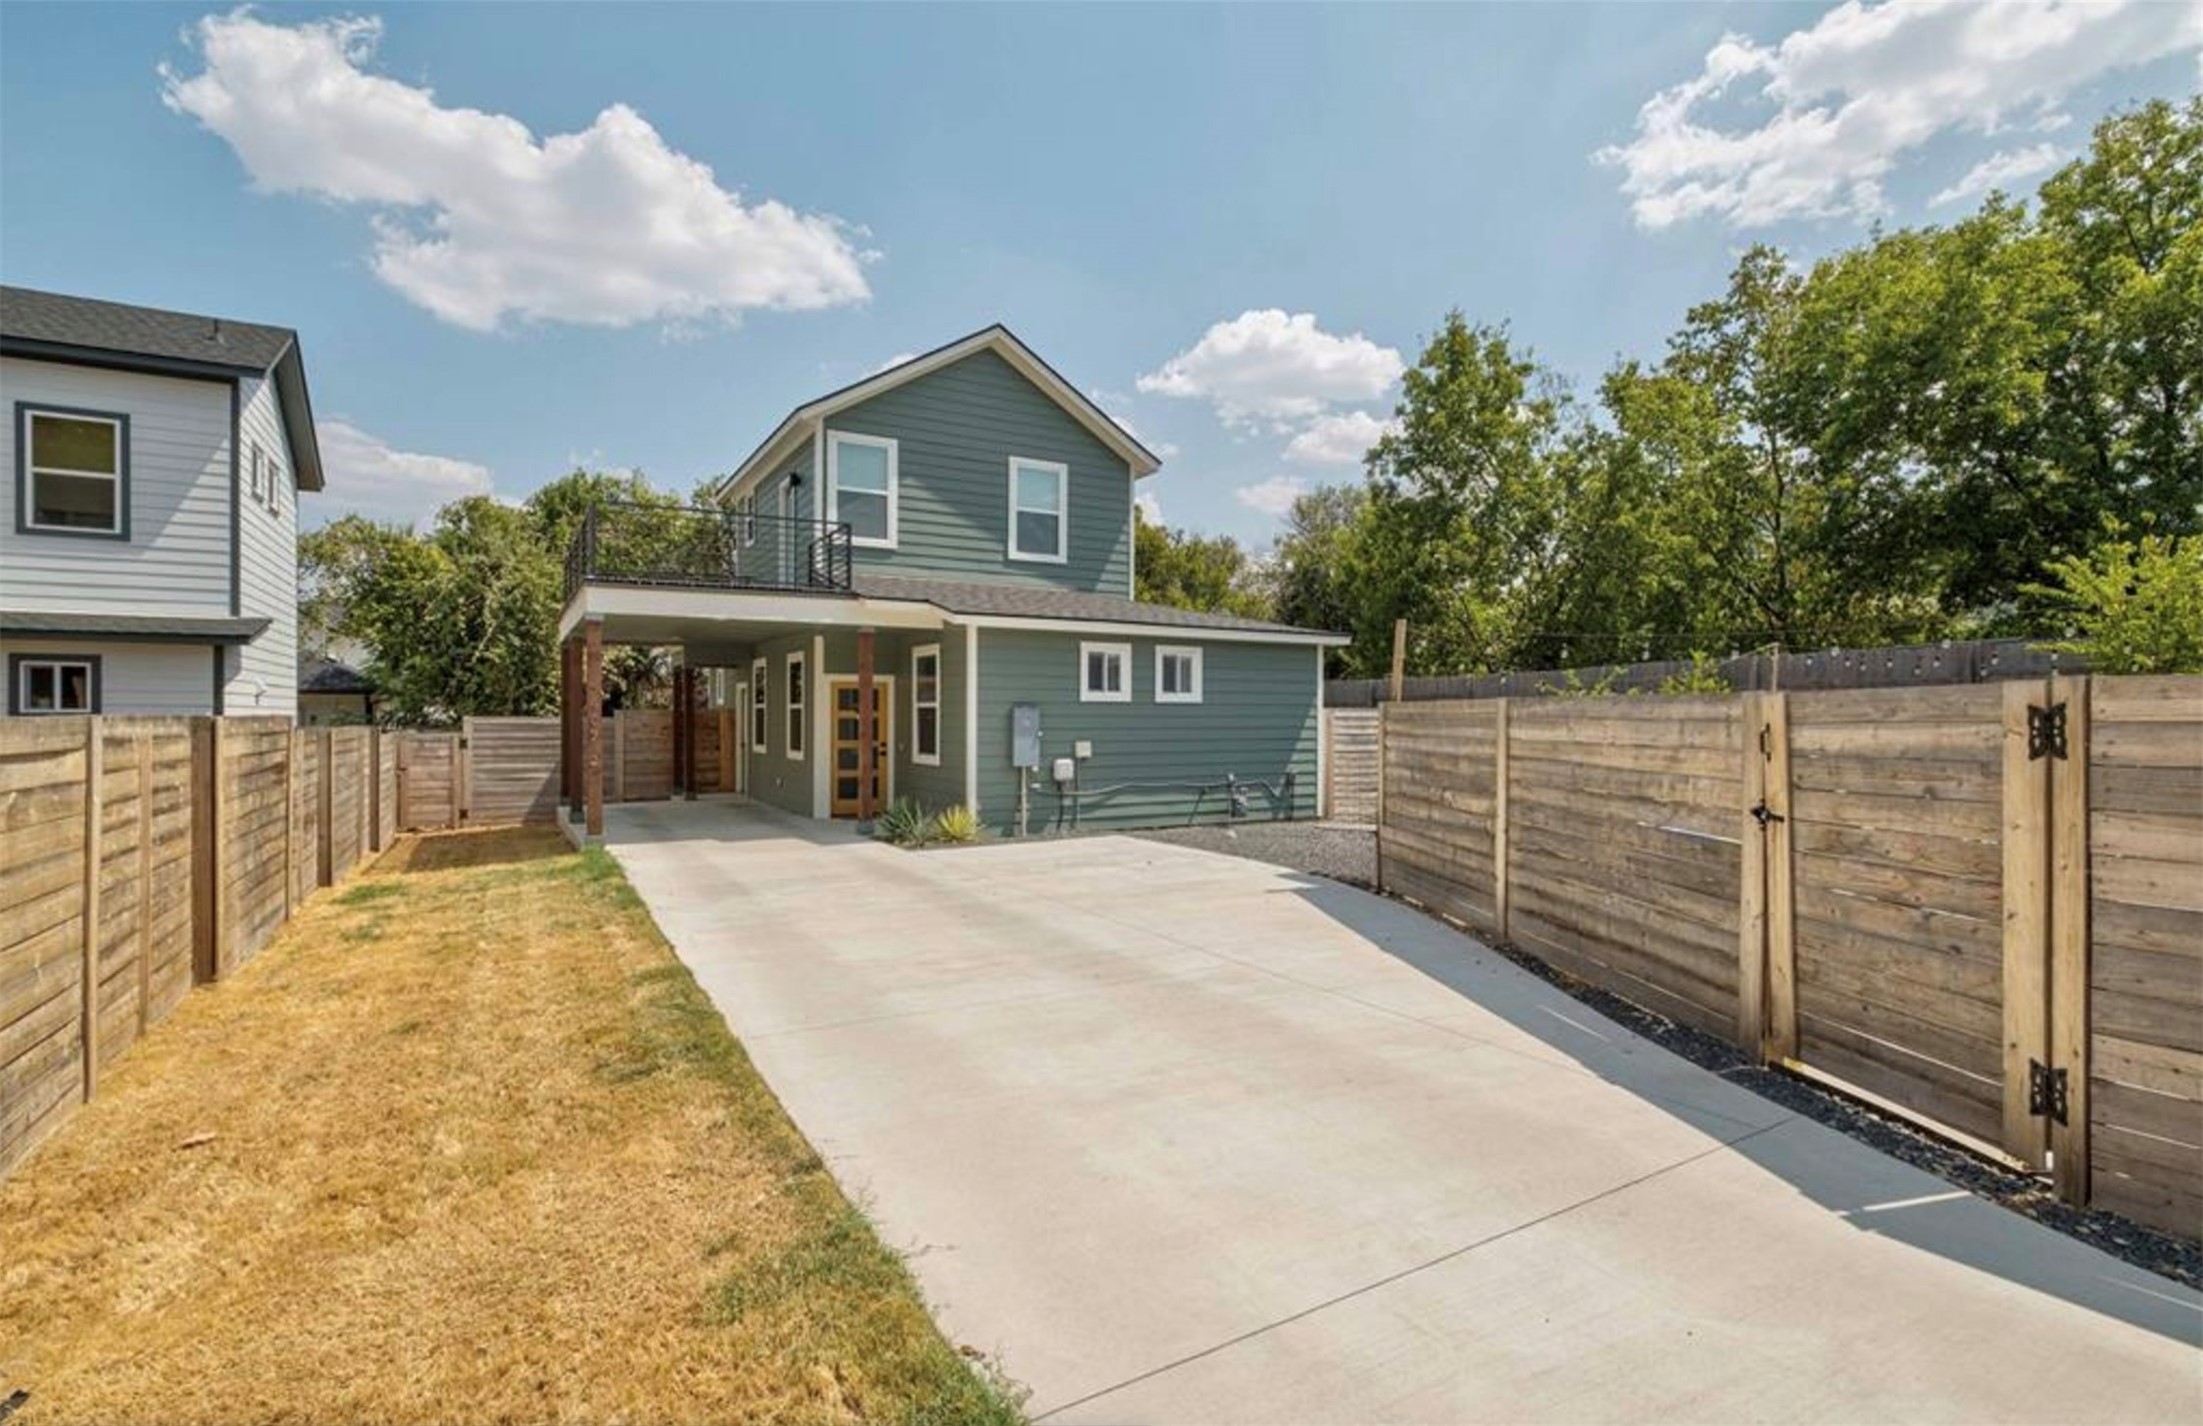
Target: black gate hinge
x=2045 y=731
x=2046 y=1090
x=1763 y=814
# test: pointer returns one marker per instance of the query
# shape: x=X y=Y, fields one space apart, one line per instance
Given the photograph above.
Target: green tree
x=2136 y=606
x=1310 y=579
x=1188 y=571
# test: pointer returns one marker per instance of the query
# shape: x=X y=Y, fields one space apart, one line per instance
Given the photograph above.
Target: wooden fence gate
x=428 y=781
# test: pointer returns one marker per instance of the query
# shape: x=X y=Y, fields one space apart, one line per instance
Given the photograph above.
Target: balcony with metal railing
x=679 y=547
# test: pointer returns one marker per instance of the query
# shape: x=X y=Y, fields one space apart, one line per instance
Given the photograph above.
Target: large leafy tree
x=1190 y=571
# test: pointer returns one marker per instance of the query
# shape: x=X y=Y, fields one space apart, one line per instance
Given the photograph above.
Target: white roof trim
x=998 y=339
x=1168 y=633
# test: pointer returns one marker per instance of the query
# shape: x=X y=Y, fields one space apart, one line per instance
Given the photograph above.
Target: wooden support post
x=1751 y=932
x=206 y=850
x=569 y=727
x=1781 y=1035
x=865 y=731
x=2026 y=902
x=325 y=821
x=94 y=779
x=2069 y=968
x=680 y=689
x=690 y=776
x=1399 y=658
x=145 y=881
x=592 y=700
x=1501 y=776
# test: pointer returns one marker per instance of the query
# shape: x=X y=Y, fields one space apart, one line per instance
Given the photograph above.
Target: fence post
x=93 y=770
x=206 y=849
x=290 y=818
x=325 y=818
x=2069 y=969
x=2024 y=897
x=1384 y=718
x=145 y=881
x=726 y=751
x=1780 y=1038
x=1751 y=921
x=619 y=756
x=1501 y=776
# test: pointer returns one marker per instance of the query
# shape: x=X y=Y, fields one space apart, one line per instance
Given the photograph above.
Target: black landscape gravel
x=1349 y=854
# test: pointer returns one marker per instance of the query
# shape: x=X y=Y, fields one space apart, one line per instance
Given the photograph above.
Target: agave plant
x=956 y=823
x=905 y=824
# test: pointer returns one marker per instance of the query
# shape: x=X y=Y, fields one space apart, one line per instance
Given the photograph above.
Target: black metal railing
x=678 y=547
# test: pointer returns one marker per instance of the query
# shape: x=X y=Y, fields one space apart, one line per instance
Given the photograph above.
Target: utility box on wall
x=1025 y=735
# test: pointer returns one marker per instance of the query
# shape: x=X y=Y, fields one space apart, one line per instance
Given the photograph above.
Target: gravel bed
x=1348 y=853
x=1342 y=851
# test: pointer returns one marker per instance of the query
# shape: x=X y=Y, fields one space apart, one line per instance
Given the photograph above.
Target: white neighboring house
x=149 y=540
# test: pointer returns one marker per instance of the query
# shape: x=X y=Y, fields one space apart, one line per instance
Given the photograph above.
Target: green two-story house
x=938 y=562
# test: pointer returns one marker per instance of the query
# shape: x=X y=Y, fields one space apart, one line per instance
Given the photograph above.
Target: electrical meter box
x=1025 y=735
x=1066 y=771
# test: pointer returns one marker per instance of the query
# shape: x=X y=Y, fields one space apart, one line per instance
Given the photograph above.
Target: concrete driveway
x=1178 y=1137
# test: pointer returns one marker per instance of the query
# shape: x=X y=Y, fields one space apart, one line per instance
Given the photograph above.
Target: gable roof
x=998 y=339
x=58 y=327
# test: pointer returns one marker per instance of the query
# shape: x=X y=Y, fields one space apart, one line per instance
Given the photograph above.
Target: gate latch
x=2045 y=731
x=2046 y=1090
x=1763 y=814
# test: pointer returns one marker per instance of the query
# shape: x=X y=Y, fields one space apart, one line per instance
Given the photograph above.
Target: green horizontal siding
x=1257 y=721
x=955 y=431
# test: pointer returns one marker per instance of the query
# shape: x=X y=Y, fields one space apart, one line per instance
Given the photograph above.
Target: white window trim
x=1124 y=663
x=835 y=440
x=1188 y=651
x=56 y=662
x=916 y=755
x=793 y=709
x=1062 y=473
x=759 y=727
x=34 y=468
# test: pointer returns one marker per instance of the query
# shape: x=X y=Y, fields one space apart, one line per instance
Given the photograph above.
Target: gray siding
x=776 y=778
x=166 y=679
x=955 y=431
x=1257 y=721
x=266 y=670
x=931 y=787
x=177 y=558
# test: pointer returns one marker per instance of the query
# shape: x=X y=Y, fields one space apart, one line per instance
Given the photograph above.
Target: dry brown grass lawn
x=481 y=1152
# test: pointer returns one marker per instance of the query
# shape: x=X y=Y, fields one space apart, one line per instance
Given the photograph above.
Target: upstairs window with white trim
x=1105 y=673
x=798 y=703
x=75 y=472
x=861 y=487
x=925 y=705
x=760 y=710
x=43 y=686
x=1177 y=674
x=1039 y=524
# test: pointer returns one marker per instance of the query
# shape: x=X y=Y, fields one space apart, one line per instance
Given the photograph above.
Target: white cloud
x=1999 y=170
x=366 y=476
x=1864 y=85
x=1268 y=366
x=1337 y=440
x=1151 y=509
x=1274 y=496
x=476 y=219
x=894 y=361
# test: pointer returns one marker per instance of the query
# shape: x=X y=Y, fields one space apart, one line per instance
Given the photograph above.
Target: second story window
x=1038 y=493
x=75 y=473
x=860 y=487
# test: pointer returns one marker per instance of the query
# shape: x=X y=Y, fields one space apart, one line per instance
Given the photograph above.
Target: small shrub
x=905 y=824
x=2136 y=605
x=1703 y=676
x=1573 y=686
x=956 y=823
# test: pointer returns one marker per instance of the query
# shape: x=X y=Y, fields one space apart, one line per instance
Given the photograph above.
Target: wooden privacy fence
x=144 y=855
x=1979 y=906
x=1350 y=764
x=492 y=770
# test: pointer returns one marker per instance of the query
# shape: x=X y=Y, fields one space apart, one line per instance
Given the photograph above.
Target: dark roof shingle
x=33 y=316
x=185 y=628
x=1024 y=601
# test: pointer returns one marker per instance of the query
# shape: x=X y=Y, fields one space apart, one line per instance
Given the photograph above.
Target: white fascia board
x=1180 y=633
x=611 y=602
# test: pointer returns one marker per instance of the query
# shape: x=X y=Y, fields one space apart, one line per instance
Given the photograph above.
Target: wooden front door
x=847 y=750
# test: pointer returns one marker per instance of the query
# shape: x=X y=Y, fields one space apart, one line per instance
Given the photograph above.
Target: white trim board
x=1183 y=633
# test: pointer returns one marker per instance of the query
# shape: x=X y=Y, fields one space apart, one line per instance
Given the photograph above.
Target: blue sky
x=495 y=227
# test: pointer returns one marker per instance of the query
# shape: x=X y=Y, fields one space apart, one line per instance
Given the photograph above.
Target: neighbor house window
x=38 y=684
x=860 y=487
x=257 y=466
x=1177 y=674
x=797 y=701
x=1038 y=490
x=275 y=487
x=925 y=704
x=1105 y=673
x=759 y=717
x=73 y=472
